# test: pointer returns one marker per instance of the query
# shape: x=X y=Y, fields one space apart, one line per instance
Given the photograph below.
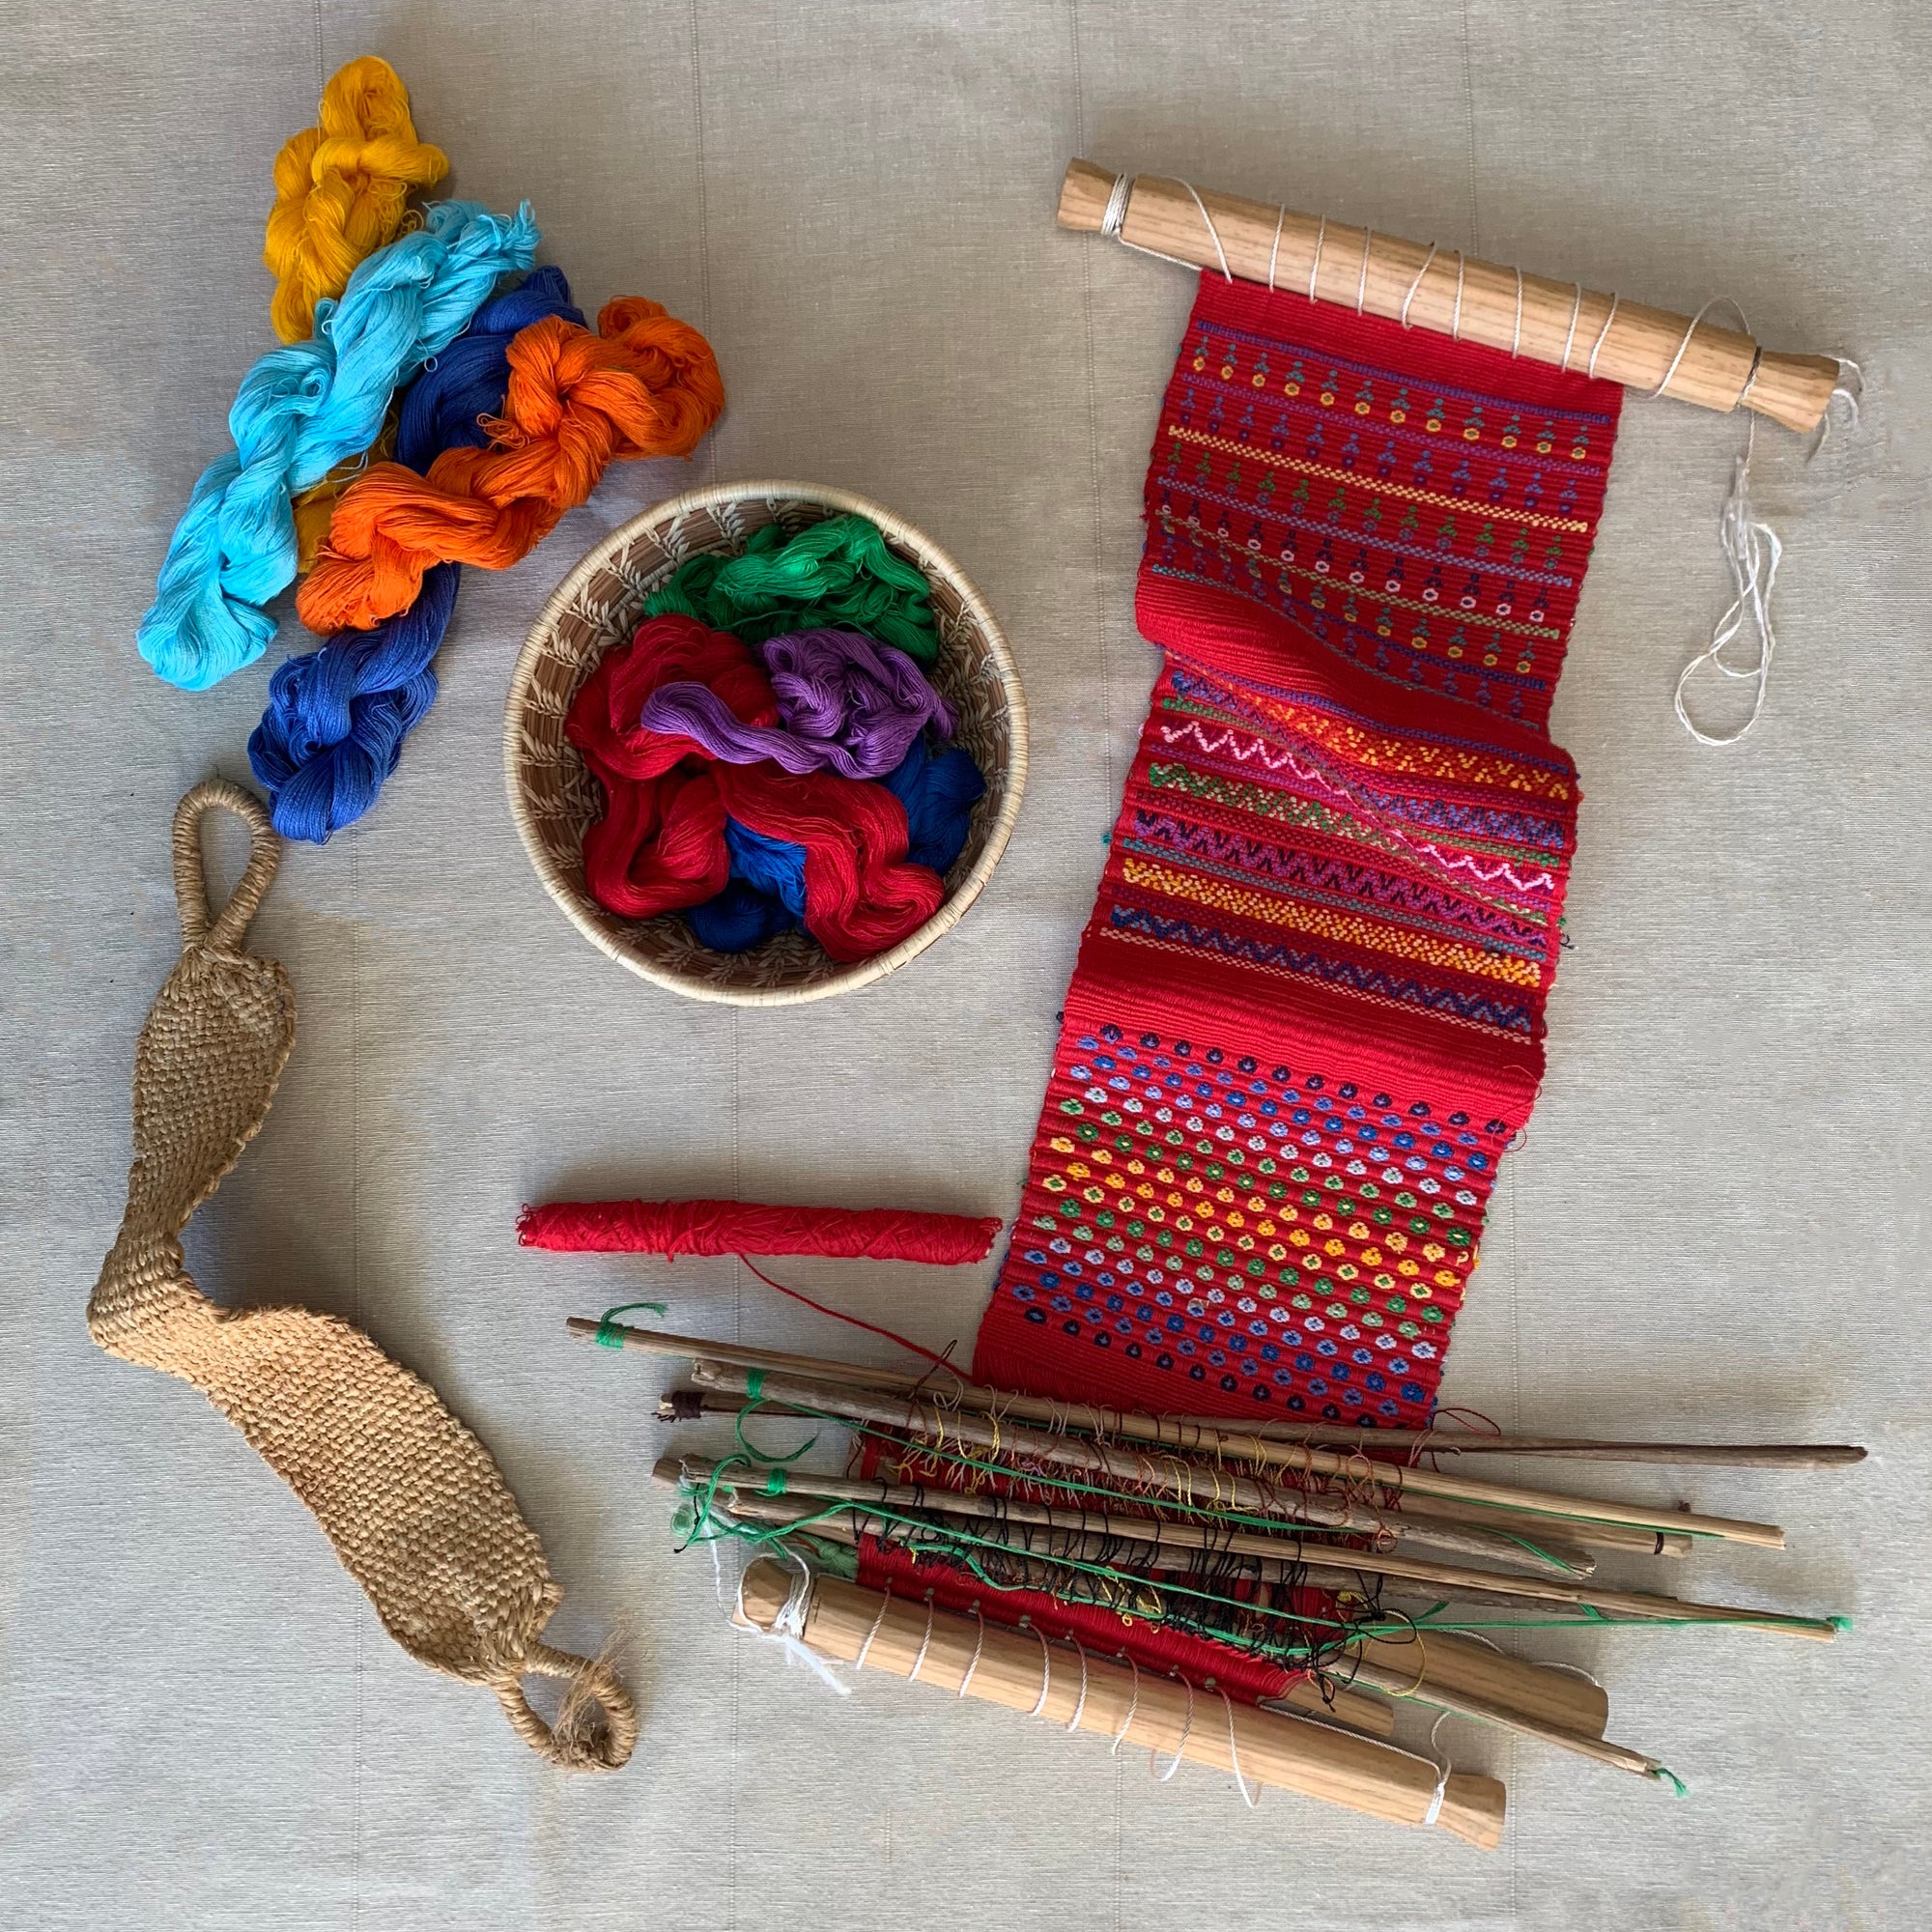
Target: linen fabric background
x=1717 y=1223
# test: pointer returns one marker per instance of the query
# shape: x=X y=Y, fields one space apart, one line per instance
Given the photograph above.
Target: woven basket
x=555 y=799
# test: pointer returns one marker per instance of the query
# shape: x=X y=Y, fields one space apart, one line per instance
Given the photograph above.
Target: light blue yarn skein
x=299 y=412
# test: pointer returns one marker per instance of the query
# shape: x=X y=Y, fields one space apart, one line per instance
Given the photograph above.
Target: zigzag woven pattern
x=1307 y=1018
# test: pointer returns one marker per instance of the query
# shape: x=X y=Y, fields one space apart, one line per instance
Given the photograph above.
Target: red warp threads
x=751 y=1227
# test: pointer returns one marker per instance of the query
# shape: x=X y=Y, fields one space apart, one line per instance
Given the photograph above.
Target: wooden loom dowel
x=1470 y=1704
x=962 y=1657
x=1607 y=1608
x=986 y=1430
x=1586 y=1535
x=1084 y=1537
x=1419 y=1663
x=1094 y=1457
x=1431 y=1659
x=1170 y=1431
x=1719 y=368
x=1226 y=1439
x=1470 y=1442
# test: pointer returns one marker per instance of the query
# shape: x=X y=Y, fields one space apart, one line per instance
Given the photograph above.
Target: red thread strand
x=751 y=1228
x=851 y=1321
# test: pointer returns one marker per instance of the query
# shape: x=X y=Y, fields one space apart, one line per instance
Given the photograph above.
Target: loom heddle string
x=301 y=411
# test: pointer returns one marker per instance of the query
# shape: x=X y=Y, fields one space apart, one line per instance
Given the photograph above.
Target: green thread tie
x=609 y=1334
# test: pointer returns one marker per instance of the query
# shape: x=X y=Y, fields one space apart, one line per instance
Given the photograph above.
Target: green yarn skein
x=834 y=575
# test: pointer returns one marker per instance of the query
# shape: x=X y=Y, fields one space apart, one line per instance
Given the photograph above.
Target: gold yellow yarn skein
x=342 y=189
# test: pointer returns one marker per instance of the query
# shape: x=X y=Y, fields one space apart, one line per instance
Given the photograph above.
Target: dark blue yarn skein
x=336 y=718
x=766 y=892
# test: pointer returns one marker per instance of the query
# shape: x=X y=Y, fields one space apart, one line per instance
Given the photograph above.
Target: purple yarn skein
x=848 y=704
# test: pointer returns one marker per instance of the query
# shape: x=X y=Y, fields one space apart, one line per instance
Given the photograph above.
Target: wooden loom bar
x=1583 y=1536
x=910 y=1414
x=1088 y=1538
x=1470 y=1442
x=1471 y=1705
x=1440 y=1660
x=1625 y=1607
x=959 y=1655
x=1080 y=1455
x=1630 y=343
x=1199 y=1432
x=1586 y=1535
x=1418 y=1662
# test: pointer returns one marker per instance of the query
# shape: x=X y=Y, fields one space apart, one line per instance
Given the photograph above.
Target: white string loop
x=1417 y=283
x=1248 y=1798
x=1315 y=266
x=1133 y=1705
x=1575 y=311
x=787 y=1630
x=1179 y=1749
x=979 y=1644
x=1362 y=284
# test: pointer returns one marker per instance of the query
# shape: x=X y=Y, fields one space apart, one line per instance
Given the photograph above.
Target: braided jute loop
x=199 y=924
x=596 y=1727
x=416 y=1508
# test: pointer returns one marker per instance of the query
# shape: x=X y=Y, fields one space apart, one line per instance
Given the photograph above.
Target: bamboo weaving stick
x=1482 y=1586
x=687 y=1405
x=1418 y=1663
x=1022 y=1672
x=1088 y=1536
x=1447 y=1662
x=1644 y=348
x=1471 y=1705
x=915 y=1417
x=1187 y=1431
x=1192 y=1483
x=1470 y=1442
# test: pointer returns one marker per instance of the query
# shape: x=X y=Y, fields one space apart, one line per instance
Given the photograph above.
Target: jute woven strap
x=416 y=1508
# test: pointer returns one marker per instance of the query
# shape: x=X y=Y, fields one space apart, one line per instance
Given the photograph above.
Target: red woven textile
x=1307 y=1015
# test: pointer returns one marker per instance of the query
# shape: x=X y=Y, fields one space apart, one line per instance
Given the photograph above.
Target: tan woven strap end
x=416 y=1509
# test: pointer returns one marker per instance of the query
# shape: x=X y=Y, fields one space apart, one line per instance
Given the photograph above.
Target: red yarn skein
x=751 y=1227
x=659 y=845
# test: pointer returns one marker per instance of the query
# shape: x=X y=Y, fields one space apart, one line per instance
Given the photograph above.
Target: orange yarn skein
x=342 y=190
x=644 y=385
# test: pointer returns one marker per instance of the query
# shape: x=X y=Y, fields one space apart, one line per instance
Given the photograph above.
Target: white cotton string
x=1116 y=213
x=1249 y=1798
x=925 y=1642
x=1133 y=1705
x=787 y=1629
x=1213 y=233
x=1441 y=1790
x=1315 y=266
x=1417 y=283
x=1045 y=1671
x=1362 y=284
x=1080 y=1702
x=1274 y=253
x=1456 y=315
x=1752 y=550
x=1602 y=335
x=1850 y=393
x=865 y=1648
x=979 y=1644
x=1515 y=336
x=1576 y=310
x=1186 y=1728
x=1716 y=302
